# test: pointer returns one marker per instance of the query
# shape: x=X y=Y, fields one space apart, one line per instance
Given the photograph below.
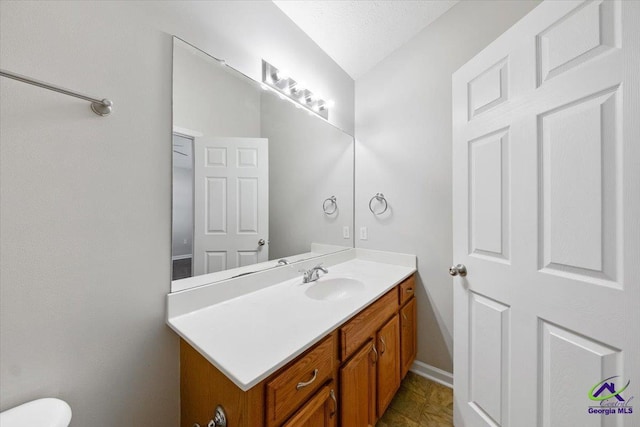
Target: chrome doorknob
x=459 y=269
x=261 y=242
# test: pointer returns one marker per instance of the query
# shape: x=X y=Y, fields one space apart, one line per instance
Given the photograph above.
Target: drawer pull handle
x=335 y=403
x=404 y=316
x=385 y=346
x=409 y=290
x=375 y=353
x=304 y=384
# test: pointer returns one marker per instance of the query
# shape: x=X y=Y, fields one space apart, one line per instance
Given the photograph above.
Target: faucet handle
x=306 y=275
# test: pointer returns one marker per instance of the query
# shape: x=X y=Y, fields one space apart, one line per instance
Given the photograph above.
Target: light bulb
x=282 y=75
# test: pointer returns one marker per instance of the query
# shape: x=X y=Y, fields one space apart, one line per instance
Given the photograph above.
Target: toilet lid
x=48 y=412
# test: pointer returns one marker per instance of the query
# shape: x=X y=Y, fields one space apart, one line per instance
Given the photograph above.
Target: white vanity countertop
x=251 y=336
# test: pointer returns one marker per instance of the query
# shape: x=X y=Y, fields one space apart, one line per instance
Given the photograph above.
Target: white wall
x=211 y=99
x=309 y=161
x=403 y=149
x=85 y=213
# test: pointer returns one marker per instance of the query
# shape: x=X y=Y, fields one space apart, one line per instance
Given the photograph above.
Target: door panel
x=215 y=261
x=578 y=191
x=489 y=196
x=565 y=356
x=546 y=204
x=216 y=203
x=489 y=89
x=585 y=32
x=247 y=212
x=488 y=357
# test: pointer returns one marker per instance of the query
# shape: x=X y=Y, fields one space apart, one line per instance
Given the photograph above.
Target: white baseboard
x=431 y=372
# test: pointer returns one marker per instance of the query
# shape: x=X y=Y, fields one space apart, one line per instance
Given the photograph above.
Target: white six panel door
x=546 y=160
x=231 y=203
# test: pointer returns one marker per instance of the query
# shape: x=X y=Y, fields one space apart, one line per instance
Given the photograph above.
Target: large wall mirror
x=258 y=181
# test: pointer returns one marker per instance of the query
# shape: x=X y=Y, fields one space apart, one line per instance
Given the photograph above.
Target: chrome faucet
x=313 y=274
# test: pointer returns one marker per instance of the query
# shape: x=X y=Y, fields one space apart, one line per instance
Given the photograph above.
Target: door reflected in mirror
x=256 y=178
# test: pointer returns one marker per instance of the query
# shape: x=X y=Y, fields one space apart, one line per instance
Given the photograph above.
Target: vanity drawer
x=365 y=324
x=298 y=381
x=407 y=289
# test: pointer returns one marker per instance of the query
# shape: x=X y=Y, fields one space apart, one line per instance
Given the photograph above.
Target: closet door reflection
x=182 y=234
x=231 y=203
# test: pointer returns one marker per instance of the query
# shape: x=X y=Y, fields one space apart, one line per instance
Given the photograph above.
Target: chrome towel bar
x=101 y=107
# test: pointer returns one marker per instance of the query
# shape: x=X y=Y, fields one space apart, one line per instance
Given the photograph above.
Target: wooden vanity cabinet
x=408 y=335
x=346 y=380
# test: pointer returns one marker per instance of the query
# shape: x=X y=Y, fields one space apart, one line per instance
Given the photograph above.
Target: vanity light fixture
x=296 y=91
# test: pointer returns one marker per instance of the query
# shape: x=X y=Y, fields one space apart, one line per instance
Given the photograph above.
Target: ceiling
x=359 y=34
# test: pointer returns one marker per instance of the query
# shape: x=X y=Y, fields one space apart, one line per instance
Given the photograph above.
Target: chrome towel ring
x=380 y=198
x=328 y=204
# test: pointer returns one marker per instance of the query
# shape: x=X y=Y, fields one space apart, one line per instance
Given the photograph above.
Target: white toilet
x=48 y=412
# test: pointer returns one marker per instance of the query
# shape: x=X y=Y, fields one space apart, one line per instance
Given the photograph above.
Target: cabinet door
x=408 y=337
x=358 y=388
x=320 y=411
x=388 y=366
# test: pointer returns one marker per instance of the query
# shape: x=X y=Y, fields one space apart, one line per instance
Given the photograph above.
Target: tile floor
x=419 y=403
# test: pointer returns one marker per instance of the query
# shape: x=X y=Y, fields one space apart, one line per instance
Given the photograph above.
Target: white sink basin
x=332 y=289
